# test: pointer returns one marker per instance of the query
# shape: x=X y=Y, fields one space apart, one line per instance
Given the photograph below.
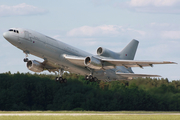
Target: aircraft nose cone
x=5 y=35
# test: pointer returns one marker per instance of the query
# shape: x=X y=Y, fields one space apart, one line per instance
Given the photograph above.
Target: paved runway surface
x=79 y=114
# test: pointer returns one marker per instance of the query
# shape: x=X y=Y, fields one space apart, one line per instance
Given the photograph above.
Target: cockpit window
x=16 y=31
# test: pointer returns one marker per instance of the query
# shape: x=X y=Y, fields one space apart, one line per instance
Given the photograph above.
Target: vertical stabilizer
x=129 y=51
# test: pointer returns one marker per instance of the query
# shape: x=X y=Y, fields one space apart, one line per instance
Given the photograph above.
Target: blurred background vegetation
x=21 y=91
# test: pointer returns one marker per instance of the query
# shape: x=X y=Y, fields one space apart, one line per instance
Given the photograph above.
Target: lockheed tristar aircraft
x=58 y=56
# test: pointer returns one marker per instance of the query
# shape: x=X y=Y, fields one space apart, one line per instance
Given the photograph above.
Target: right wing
x=134 y=63
x=115 y=62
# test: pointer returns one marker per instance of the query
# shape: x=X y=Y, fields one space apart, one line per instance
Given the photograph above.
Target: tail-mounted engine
x=107 y=53
x=93 y=63
x=96 y=63
x=35 y=66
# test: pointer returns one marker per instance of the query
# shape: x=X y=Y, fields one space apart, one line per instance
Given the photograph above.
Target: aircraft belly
x=106 y=75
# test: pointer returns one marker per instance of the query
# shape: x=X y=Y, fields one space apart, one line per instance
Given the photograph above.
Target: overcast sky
x=89 y=24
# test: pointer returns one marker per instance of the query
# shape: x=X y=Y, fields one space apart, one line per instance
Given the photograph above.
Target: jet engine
x=107 y=53
x=35 y=66
x=93 y=63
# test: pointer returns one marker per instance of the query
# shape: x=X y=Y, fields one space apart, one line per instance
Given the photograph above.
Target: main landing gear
x=60 y=78
x=91 y=78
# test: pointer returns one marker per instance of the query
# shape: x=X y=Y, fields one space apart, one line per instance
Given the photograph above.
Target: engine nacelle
x=35 y=66
x=93 y=63
x=107 y=53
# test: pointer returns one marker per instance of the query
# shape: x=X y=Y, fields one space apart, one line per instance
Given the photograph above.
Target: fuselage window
x=10 y=29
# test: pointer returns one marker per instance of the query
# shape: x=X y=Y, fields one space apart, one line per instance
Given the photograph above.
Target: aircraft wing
x=136 y=75
x=49 y=66
x=75 y=59
x=135 y=63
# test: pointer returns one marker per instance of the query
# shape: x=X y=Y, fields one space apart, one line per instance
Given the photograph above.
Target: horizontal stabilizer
x=136 y=75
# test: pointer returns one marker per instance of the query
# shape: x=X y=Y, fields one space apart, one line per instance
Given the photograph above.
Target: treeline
x=40 y=92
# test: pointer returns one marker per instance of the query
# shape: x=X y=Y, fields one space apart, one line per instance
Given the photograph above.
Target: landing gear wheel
x=86 y=77
x=60 y=79
x=25 y=59
x=56 y=79
x=90 y=78
x=95 y=79
x=65 y=80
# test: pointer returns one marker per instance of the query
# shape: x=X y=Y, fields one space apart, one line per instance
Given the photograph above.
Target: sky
x=89 y=24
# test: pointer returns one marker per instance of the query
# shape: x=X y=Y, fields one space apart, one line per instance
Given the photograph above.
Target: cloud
x=159 y=50
x=21 y=9
x=157 y=3
x=171 y=34
x=94 y=31
x=154 y=6
x=103 y=2
x=103 y=30
x=145 y=6
x=156 y=39
x=165 y=31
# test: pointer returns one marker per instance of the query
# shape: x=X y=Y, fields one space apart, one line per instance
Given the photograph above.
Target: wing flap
x=135 y=63
x=136 y=75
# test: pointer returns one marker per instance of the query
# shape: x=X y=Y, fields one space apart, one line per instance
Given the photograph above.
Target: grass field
x=86 y=115
x=104 y=117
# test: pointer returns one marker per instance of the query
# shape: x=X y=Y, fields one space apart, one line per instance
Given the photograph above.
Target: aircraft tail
x=129 y=51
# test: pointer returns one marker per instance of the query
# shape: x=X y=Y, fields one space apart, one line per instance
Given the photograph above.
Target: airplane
x=59 y=57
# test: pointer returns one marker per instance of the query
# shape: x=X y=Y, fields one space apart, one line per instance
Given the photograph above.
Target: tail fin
x=129 y=51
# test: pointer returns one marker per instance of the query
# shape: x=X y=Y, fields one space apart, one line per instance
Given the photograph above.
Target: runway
x=80 y=114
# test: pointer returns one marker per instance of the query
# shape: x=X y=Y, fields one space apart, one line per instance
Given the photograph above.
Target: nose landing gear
x=26 y=59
